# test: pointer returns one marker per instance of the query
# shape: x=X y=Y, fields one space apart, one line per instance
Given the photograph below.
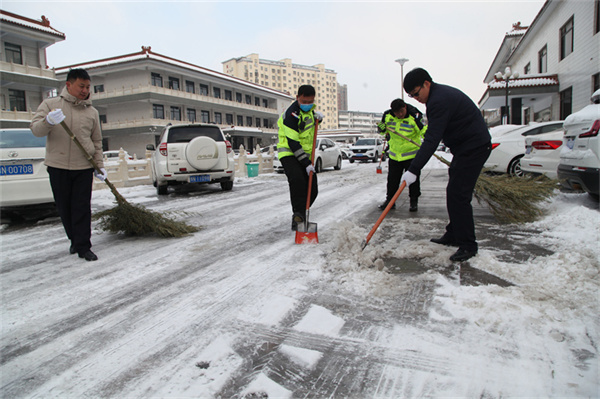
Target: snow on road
x=238 y=309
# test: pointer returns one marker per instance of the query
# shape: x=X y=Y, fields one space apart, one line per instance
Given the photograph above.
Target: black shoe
x=414 y=206
x=462 y=254
x=443 y=240
x=296 y=219
x=385 y=204
x=72 y=250
x=88 y=255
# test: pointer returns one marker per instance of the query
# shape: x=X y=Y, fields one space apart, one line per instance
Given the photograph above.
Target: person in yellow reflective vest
x=397 y=121
x=295 y=147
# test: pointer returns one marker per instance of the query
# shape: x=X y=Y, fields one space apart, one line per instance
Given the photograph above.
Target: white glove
x=55 y=117
x=309 y=169
x=408 y=177
x=319 y=116
x=102 y=175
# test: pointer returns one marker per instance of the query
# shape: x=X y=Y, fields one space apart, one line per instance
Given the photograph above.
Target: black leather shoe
x=443 y=240
x=414 y=206
x=385 y=204
x=72 y=250
x=296 y=219
x=462 y=254
x=88 y=255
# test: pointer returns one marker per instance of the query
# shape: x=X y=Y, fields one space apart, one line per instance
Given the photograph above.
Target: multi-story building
x=342 y=97
x=558 y=61
x=137 y=94
x=287 y=77
x=363 y=122
x=25 y=78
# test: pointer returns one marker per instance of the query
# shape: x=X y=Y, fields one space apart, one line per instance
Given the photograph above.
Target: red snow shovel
x=379 y=171
x=383 y=215
x=306 y=233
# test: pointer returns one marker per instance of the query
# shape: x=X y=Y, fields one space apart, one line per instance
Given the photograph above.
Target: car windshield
x=185 y=134
x=365 y=142
x=20 y=138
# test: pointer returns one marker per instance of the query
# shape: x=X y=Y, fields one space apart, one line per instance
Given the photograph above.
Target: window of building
x=248 y=121
x=597 y=17
x=205 y=116
x=240 y=120
x=158 y=111
x=102 y=118
x=266 y=123
x=191 y=115
x=257 y=122
x=157 y=80
x=16 y=100
x=175 y=113
x=99 y=89
x=595 y=82
x=216 y=92
x=229 y=119
x=228 y=95
x=265 y=103
x=543 y=60
x=218 y=118
x=248 y=99
x=238 y=97
x=204 y=90
x=190 y=87
x=527 y=69
x=566 y=39
x=566 y=102
x=257 y=101
x=13 y=53
x=173 y=83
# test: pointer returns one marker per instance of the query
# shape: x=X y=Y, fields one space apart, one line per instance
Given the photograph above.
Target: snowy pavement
x=239 y=310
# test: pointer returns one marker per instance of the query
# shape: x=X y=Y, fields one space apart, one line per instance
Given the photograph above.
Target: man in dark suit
x=454 y=118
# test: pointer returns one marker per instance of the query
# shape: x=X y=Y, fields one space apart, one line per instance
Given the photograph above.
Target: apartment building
x=286 y=76
x=138 y=94
x=558 y=61
x=25 y=77
x=342 y=97
x=362 y=122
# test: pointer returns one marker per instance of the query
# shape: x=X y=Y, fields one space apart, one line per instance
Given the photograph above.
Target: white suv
x=580 y=156
x=367 y=150
x=194 y=153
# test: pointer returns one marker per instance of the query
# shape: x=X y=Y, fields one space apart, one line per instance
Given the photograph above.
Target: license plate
x=200 y=179
x=8 y=170
x=570 y=143
x=528 y=150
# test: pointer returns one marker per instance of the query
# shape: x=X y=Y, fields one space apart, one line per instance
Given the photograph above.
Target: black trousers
x=396 y=169
x=72 y=190
x=298 y=182
x=463 y=174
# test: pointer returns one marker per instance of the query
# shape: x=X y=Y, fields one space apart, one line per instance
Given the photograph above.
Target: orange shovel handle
x=384 y=214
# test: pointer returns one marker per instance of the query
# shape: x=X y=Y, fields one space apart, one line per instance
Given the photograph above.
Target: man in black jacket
x=454 y=118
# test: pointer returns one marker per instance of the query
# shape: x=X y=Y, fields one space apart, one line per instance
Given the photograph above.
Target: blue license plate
x=9 y=170
x=200 y=179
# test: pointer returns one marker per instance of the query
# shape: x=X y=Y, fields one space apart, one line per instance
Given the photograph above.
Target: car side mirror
x=150 y=147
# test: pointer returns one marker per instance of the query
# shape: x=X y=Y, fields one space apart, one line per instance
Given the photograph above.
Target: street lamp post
x=506 y=77
x=401 y=61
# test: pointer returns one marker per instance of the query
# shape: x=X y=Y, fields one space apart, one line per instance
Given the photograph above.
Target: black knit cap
x=415 y=78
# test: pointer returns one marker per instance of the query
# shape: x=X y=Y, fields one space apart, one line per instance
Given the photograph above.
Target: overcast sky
x=456 y=41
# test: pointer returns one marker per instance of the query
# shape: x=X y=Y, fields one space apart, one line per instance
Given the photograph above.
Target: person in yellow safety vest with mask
x=295 y=147
x=401 y=152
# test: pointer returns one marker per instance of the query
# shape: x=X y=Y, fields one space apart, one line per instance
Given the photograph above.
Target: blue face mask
x=306 y=107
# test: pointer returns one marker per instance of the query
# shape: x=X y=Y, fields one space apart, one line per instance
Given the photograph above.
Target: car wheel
x=162 y=190
x=338 y=166
x=514 y=167
x=376 y=158
x=318 y=165
x=202 y=153
x=351 y=160
x=227 y=185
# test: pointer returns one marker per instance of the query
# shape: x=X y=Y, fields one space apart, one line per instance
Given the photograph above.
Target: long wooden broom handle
x=383 y=214
x=90 y=159
x=445 y=161
x=312 y=158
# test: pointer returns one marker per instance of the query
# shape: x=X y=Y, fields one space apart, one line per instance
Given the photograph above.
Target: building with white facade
x=342 y=97
x=558 y=61
x=286 y=76
x=25 y=77
x=363 y=122
x=138 y=94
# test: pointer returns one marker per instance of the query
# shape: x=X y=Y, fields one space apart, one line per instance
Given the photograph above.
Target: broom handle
x=384 y=214
x=445 y=161
x=310 y=175
x=119 y=197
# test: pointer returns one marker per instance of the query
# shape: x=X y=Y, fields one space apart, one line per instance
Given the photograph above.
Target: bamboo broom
x=132 y=220
x=511 y=200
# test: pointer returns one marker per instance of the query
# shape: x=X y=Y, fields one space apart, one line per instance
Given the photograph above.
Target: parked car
x=346 y=152
x=113 y=155
x=579 y=163
x=509 y=148
x=542 y=154
x=367 y=149
x=23 y=176
x=328 y=155
x=192 y=154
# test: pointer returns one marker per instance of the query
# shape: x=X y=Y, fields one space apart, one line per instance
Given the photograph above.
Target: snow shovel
x=306 y=233
x=379 y=171
x=383 y=215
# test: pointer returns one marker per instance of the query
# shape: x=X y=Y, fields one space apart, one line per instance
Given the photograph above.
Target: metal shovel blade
x=306 y=235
